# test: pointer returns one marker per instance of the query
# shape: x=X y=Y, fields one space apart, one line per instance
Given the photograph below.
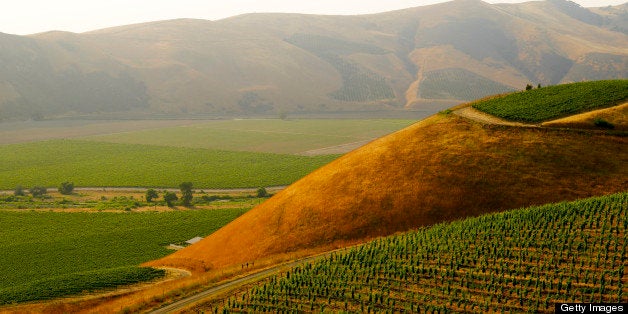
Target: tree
x=528 y=87
x=261 y=192
x=19 y=191
x=37 y=191
x=66 y=188
x=151 y=194
x=170 y=198
x=186 y=193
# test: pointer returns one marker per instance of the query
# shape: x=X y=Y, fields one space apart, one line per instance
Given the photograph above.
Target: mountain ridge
x=272 y=63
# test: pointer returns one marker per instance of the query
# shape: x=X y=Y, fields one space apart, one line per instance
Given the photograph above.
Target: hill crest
x=417 y=58
x=440 y=169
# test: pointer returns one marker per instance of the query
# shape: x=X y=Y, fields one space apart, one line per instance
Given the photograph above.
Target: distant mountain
x=270 y=63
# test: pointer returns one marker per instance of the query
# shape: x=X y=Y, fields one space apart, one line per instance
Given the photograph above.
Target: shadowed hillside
x=267 y=64
x=439 y=169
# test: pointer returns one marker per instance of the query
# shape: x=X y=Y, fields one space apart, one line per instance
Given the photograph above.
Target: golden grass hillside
x=617 y=116
x=439 y=169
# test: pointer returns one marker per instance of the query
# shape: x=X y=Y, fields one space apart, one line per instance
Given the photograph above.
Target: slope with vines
x=519 y=261
x=553 y=102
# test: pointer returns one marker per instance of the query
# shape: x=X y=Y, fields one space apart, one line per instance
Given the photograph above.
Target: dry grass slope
x=440 y=169
x=617 y=116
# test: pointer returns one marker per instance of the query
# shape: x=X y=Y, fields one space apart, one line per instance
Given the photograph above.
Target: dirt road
x=476 y=115
x=182 y=304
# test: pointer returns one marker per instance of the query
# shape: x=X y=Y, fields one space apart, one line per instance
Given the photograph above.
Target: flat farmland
x=270 y=136
x=47 y=254
x=31 y=131
x=98 y=164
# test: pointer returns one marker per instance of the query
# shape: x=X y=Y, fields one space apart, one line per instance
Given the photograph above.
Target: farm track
x=272 y=189
x=478 y=116
x=235 y=283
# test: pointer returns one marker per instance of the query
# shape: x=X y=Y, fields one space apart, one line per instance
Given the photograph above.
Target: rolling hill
x=545 y=255
x=265 y=64
x=440 y=169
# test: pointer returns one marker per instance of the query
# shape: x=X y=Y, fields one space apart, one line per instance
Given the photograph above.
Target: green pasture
x=89 y=163
x=55 y=251
x=553 y=102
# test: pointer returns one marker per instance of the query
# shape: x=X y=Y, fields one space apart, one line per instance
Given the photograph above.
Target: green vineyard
x=553 y=102
x=519 y=261
x=358 y=83
x=459 y=84
x=55 y=254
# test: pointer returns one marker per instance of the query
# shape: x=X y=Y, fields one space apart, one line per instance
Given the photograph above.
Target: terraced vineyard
x=552 y=102
x=520 y=261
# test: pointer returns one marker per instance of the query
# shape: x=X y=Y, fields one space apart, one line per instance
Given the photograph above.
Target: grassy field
x=88 y=163
x=270 y=136
x=520 y=261
x=553 y=102
x=50 y=254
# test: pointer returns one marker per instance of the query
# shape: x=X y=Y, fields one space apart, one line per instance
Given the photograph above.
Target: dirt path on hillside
x=235 y=283
x=478 y=116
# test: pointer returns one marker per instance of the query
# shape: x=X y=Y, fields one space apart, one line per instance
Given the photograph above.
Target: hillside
x=422 y=58
x=543 y=104
x=523 y=261
x=440 y=169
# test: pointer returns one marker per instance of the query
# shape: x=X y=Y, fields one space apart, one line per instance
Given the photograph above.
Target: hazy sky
x=33 y=16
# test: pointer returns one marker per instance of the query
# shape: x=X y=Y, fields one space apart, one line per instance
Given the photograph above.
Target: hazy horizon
x=36 y=16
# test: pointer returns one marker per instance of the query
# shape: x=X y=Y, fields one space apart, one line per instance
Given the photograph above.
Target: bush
x=261 y=192
x=151 y=194
x=37 y=191
x=170 y=198
x=19 y=191
x=599 y=122
x=66 y=188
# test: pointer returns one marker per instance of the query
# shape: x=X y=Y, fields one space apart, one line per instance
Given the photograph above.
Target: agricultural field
x=99 y=164
x=518 y=261
x=53 y=253
x=552 y=102
x=458 y=83
x=264 y=136
x=211 y=154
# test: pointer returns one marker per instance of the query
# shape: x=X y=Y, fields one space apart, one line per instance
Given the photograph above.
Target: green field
x=88 y=163
x=456 y=83
x=51 y=254
x=269 y=136
x=519 y=261
x=554 y=102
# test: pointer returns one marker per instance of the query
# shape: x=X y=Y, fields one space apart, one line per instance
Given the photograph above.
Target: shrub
x=261 y=192
x=170 y=198
x=19 y=191
x=37 y=191
x=151 y=194
x=599 y=122
x=66 y=188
